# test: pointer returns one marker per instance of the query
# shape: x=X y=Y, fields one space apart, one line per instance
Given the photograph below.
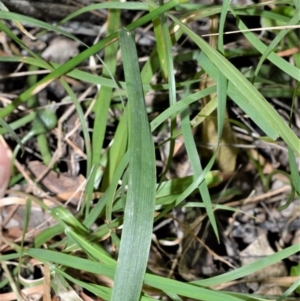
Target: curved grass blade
x=17 y=23
x=250 y=268
x=193 y=155
x=139 y=208
x=278 y=61
x=169 y=73
x=102 y=104
x=271 y=123
x=9 y=129
x=274 y=43
x=72 y=63
x=252 y=96
x=106 y=5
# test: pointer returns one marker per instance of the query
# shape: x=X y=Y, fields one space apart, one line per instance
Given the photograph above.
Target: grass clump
x=128 y=116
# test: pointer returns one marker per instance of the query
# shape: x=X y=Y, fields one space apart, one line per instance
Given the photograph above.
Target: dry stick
x=266 y=195
x=255 y=29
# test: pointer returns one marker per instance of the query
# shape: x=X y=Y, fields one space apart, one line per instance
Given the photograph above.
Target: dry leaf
x=61 y=185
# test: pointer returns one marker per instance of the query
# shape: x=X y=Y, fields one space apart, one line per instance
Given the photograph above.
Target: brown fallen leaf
x=64 y=187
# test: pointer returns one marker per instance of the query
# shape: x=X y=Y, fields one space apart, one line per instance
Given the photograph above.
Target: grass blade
x=253 y=98
x=139 y=208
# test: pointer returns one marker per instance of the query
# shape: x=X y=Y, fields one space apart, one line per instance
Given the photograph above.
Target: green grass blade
x=9 y=128
x=72 y=261
x=72 y=63
x=187 y=289
x=225 y=7
x=97 y=290
x=190 y=189
x=289 y=291
x=193 y=155
x=238 y=80
x=47 y=234
x=278 y=61
x=274 y=43
x=116 y=152
x=265 y=117
x=294 y=170
x=107 y=198
x=161 y=46
x=92 y=250
x=92 y=78
x=106 y=5
x=102 y=104
x=250 y=268
x=139 y=208
x=180 y=105
x=166 y=47
x=221 y=79
x=25 y=19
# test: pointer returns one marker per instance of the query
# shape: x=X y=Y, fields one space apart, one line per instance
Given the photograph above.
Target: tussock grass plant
x=133 y=194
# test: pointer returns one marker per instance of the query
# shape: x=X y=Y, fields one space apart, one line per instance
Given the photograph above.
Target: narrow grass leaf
x=170 y=77
x=187 y=289
x=101 y=291
x=294 y=170
x=225 y=7
x=102 y=104
x=107 y=198
x=161 y=46
x=270 y=125
x=106 y=5
x=68 y=260
x=190 y=189
x=63 y=216
x=221 y=79
x=95 y=79
x=117 y=151
x=47 y=234
x=178 y=185
x=72 y=63
x=278 y=61
x=139 y=208
x=238 y=80
x=28 y=20
x=274 y=43
x=180 y=105
x=90 y=249
x=289 y=291
x=197 y=167
x=250 y=268
x=9 y=128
